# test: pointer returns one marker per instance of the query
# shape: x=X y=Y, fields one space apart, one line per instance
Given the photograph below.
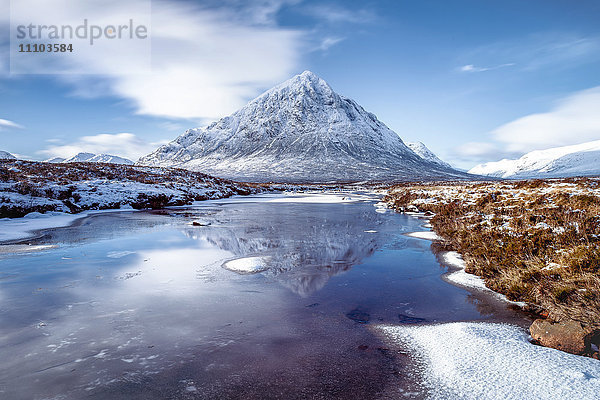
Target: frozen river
x=261 y=297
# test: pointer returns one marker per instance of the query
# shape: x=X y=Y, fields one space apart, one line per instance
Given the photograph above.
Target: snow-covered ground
x=70 y=188
x=486 y=361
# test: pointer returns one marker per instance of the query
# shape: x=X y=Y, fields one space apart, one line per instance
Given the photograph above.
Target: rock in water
x=299 y=131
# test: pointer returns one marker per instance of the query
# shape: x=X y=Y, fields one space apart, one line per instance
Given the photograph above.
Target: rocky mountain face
x=299 y=131
x=558 y=162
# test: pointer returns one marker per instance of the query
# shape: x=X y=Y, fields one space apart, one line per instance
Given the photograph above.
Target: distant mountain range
x=90 y=157
x=301 y=131
x=558 y=162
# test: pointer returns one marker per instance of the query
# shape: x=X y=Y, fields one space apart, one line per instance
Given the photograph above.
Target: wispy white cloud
x=7 y=124
x=172 y=126
x=473 y=68
x=575 y=119
x=329 y=42
x=206 y=62
x=125 y=145
x=337 y=14
x=532 y=53
x=468 y=154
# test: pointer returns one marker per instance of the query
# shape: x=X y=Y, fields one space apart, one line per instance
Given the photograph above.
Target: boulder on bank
x=567 y=336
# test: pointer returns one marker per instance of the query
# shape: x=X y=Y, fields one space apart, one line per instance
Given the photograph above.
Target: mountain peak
x=5 y=155
x=79 y=157
x=306 y=83
x=90 y=157
x=308 y=77
x=298 y=131
x=426 y=154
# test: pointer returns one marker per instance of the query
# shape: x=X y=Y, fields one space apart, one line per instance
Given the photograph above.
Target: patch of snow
x=427 y=235
x=462 y=278
x=247 y=265
x=469 y=360
x=552 y=266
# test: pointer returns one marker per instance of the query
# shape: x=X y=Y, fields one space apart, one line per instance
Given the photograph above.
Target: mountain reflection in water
x=302 y=251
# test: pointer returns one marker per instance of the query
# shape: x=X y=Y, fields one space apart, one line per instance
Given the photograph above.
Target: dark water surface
x=137 y=305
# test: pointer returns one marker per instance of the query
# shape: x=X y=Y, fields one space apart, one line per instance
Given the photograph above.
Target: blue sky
x=474 y=80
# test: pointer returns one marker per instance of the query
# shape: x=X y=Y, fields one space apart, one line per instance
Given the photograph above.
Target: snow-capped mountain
x=299 y=131
x=5 y=155
x=79 y=157
x=55 y=160
x=426 y=154
x=559 y=162
x=100 y=158
x=107 y=158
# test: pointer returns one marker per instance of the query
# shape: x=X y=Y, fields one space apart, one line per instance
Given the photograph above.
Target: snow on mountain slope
x=100 y=158
x=79 y=157
x=299 y=131
x=559 y=162
x=426 y=154
x=4 y=155
x=107 y=158
x=55 y=160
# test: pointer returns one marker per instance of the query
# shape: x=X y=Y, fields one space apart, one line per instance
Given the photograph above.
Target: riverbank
x=28 y=186
x=533 y=241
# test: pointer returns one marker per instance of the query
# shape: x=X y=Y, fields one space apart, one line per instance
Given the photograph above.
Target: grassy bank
x=534 y=241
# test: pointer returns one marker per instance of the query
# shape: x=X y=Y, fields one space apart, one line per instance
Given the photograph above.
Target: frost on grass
x=482 y=361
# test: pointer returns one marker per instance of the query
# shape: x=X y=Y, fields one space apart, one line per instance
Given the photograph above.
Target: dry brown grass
x=534 y=241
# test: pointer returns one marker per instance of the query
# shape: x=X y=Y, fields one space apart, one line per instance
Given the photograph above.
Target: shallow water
x=137 y=305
